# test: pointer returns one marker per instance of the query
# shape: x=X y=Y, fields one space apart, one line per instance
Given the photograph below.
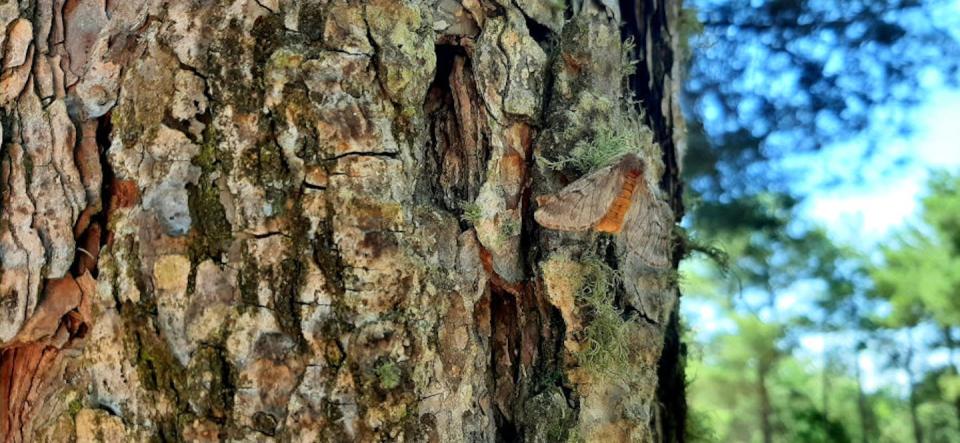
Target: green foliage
x=746 y=364
x=942 y=207
x=739 y=135
x=808 y=424
x=699 y=429
x=724 y=402
x=472 y=212
x=918 y=278
x=920 y=273
x=939 y=421
x=949 y=385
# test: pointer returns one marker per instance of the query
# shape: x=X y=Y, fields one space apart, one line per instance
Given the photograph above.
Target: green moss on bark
x=212 y=232
x=389 y=375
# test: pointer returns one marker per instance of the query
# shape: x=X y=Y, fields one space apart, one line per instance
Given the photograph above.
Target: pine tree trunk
x=951 y=345
x=913 y=402
x=863 y=406
x=825 y=388
x=285 y=220
x=766 y=409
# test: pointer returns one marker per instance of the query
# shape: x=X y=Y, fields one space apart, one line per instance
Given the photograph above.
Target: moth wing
x=647 y=230
x=644 y=249
x=584 y=203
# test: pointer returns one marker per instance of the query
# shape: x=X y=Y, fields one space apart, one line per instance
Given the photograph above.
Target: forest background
x=823 y=176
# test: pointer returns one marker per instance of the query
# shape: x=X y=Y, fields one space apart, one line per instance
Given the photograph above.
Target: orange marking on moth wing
x=612 y=221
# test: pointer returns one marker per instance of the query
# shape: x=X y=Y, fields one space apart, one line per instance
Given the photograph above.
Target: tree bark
x=766 y=409
x=863 y=406
x=913 y=402
x=951 y=345
x=825 y=387
x=284 y=220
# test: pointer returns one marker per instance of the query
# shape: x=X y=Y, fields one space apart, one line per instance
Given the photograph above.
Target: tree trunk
x=913 y=403
x=825 y=388
x=314 y=221
x=766 y=410
x=863 y=406
x=951 y=345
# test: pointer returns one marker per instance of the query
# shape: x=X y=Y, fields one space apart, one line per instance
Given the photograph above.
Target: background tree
x=920 y=275
x=766 y=261
x=771 y=81
x=889 y=313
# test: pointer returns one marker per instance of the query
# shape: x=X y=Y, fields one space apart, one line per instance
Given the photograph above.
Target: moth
x=599 y=201
x=613 y=199
x=616 y=199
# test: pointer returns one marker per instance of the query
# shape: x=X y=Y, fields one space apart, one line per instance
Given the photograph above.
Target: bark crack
x=392 y=155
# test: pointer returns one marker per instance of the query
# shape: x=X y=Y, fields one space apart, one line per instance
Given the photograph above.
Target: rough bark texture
x=296 y=220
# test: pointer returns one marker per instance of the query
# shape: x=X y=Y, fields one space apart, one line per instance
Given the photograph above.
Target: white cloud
x=866 y=212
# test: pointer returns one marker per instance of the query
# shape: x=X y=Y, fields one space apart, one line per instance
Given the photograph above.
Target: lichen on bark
x=305 y=220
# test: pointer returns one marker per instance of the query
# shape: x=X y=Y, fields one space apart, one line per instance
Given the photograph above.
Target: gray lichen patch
x=403 y=40
x=147 y=88
x=605 y=131
x=592 y=119
x=345 y=29
x=585 y=291
x=513 y=79
x=551 y=417
x=549 y=13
